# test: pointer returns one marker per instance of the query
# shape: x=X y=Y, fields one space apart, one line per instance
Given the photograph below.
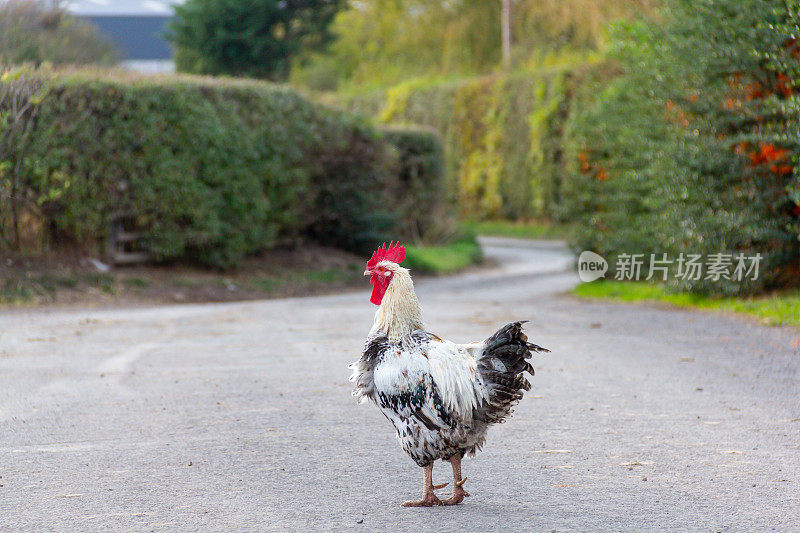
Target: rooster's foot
x=428 y=500
x=458 y=494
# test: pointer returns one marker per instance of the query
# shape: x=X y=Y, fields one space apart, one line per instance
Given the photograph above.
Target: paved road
x=239 y=417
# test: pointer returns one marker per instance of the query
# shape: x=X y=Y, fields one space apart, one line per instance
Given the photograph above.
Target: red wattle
x=378 y=289
x=377 y=295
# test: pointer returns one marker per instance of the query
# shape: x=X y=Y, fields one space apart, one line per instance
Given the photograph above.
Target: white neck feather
x=399 y=313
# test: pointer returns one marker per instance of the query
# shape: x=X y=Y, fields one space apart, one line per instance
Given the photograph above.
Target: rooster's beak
x=367 y=273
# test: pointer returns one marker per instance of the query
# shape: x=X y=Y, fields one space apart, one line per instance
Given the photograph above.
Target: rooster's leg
x=429 y=499
x=458 y=490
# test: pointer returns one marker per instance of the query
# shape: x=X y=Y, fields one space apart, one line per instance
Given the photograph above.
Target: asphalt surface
x=239 y=416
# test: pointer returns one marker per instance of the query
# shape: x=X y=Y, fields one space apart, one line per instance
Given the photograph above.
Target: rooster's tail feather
x=502 y=365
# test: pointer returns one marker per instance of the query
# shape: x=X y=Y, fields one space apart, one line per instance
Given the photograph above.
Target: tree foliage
x=21 y=91
x=694 y=149
x=37 y=31
x=386 y=41
x=254 y=38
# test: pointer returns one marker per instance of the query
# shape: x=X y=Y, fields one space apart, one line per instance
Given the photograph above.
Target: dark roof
x=136 y=37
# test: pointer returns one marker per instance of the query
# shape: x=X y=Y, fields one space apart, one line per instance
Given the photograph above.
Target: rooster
x=440 y=397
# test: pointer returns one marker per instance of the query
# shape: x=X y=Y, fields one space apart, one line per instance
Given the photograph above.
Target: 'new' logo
x=591 y=266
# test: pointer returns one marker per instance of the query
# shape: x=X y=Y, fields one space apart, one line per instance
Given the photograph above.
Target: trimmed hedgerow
x=212 y=170
x=502 y=135
x=421 y=181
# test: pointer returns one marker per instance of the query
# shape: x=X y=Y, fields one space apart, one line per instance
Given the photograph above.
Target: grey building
x=137 y=27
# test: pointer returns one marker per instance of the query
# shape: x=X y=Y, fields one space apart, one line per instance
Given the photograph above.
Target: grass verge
x=444 y=259
x=775 y=309
x=522 y=230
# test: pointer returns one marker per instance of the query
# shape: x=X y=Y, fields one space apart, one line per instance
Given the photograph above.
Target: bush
x=610 y=191
x=208 y=170
x=420 y=171
x=694 y=149
x=21 y=90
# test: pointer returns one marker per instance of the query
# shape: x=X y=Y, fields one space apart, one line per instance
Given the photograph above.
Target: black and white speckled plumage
x=441 y=397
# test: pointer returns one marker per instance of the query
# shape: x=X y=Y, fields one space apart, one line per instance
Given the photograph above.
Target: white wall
x=149 y=66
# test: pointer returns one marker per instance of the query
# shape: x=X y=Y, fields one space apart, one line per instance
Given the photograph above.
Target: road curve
x=239 y=416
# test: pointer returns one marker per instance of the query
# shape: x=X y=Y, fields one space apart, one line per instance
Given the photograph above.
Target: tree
x=382 y=42
x=37 y=31
x=695 y=149
x=253 y=38
x=21 y=91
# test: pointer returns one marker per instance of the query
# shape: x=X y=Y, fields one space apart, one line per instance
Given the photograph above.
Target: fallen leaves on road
x=732 y=452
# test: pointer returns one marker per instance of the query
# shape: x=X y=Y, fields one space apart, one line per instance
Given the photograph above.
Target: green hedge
x=421 y=179
x=694 y=149
x=502 y=135
x=210 y=170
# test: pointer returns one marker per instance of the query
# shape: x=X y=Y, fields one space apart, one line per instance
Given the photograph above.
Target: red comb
x=394 y=253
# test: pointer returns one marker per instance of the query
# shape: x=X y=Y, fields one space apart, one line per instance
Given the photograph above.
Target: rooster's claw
x=428 y=500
